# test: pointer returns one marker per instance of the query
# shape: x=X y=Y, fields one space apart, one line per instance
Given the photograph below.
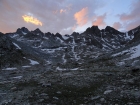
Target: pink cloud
x=133 y=25
x=134 y=12
x=131 y=20
x=117 y=25
x=126 y=17
x=99 y=20
x=81 y=16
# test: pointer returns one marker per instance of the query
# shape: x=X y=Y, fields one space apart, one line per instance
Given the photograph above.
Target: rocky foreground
x=48 y=86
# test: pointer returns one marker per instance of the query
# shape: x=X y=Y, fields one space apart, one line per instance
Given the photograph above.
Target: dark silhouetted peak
x=22 y=30
x=93 y=30
x=108 y=28
x=75 y=33
x=136 y=30
x=111 y=30
x=48 y=34
x=37 y=30
x=57 y=34
x=1 y=33
x=19 y=31
x=136 y=33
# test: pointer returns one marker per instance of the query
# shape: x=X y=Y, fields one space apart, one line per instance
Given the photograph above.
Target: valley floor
x=40 y=86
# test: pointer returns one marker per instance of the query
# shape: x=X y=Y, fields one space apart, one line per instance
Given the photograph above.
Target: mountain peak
x=75 y=33
x=111 y=30
x=37 y=30
x=108 y=28
x=21 y=30
x=57 y=34
x=93 y=29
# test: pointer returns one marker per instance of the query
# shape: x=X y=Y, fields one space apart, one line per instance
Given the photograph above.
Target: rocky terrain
x=96 y=67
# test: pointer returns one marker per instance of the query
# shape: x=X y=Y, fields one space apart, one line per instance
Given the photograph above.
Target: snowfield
x=134 y=51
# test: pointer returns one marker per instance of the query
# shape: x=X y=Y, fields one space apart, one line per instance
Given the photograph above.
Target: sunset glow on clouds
x=100 y=20
x=81 y=17
x=66 y=16
x=31 y=19
x=117 y=25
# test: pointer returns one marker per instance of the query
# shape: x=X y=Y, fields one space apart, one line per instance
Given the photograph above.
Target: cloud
x=117 y=25
x=56 y=15
x=81 y=16
x=134 y=12
x=99 y=20
x=32 y=20
x=131 y=20
x=133 y=24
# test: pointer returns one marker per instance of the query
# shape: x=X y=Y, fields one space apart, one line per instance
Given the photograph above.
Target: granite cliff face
x=10 y=53
x=108 y=38
x=89 y=45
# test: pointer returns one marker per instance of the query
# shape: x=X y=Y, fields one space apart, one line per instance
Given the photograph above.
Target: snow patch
x=16 y=45
x=15 y=35
x=51 y=51
x=127 y=36
x=134 y=62
x=107 y=91
x=13 y=68
x=58 y=68
x=64 y=58
x=26 y=66
x=136 y=53
x=32 y=62
x=59 y=39
x=65 y=37
x=24 y=33
x=121 y=63
x=46 y=38
x=74 y=69
x=61 y=69
x=17 y=77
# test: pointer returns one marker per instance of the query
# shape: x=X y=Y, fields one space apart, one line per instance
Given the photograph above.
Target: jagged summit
x=93 y=29
x=112 y=30
x=22 y=30
x=37 y=31
x=108 y=38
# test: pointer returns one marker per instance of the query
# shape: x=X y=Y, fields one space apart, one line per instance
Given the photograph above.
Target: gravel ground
x=46 y=86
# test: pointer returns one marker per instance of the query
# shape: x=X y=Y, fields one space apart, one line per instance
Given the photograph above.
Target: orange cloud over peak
x=81 y=16
x=99 y=20
x=32 y=20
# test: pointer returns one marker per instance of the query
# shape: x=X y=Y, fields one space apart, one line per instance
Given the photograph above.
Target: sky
x=67 y=16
